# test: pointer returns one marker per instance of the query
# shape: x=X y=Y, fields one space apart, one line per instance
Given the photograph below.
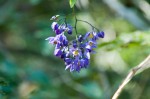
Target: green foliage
x=28 y=66
x=72 y=3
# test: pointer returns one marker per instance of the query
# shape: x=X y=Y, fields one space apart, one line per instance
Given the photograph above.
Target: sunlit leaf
x=72 y=3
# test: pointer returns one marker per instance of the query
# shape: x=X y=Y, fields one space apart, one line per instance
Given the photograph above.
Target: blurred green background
x=28 y=69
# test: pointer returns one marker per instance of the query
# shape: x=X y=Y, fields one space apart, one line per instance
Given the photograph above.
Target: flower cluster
x=75 y=53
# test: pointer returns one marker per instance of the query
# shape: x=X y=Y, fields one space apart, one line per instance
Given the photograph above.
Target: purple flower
x=69 y=29
x=86 y=62
x=82 y=45
x=58 y=52
x=52 y=40
x=82 y=63
x=58 y=31
x=63 y=55
x=90 y=45
x=95 y=36
x=91 y=35
x=87 y=54
x=68 y=66
x=75 y=53
x=80 y=38
x=76 y=64
x=86 y=35
x=72 y=67
x=74 y=44
x=65 y=42
x=61 y=39
x=68 y=61
x=54 y=26
x=101 y=34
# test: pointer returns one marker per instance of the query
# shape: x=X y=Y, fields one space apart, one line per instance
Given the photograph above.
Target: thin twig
x=89 y=24
x=76 y=28
x=142 y=66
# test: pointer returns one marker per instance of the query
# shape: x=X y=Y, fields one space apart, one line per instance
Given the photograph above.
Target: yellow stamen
x=91 y=35
x=75 y=52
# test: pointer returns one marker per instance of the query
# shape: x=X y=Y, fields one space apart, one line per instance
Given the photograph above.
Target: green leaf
x=72 y=3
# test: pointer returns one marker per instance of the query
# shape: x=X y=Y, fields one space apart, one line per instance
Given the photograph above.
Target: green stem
x=75 y=27
x=89 y=24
